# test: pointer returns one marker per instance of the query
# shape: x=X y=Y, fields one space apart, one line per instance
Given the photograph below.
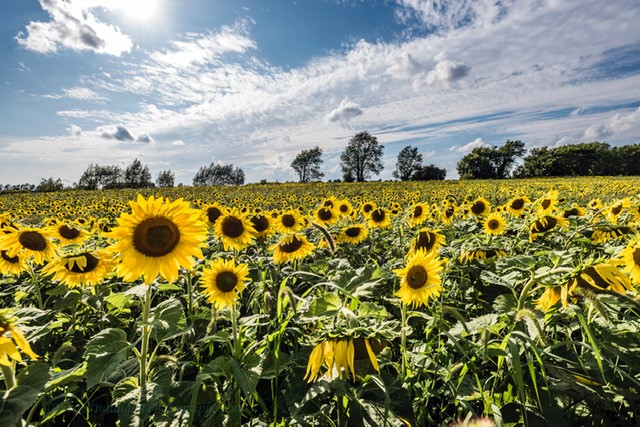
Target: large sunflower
x=630 y=257
x=263 y=224
x=418 y=213
x=11 y=265
x=84 y=269
x=223 y=281
x=28 y=242
x=290 y=221
x=353 y=234
x=235 y=230
x=158 y=237
x=547 y=202
x=427 y=240
x=517 y=205
x=494 y=224
x=212 y=212
x=544 y=224
x=345 y=208
x=291 y=247
x=326 y=215
x=420 y=279
x=66 y=233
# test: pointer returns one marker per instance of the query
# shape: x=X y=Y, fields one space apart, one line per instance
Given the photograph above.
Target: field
x=473 y=302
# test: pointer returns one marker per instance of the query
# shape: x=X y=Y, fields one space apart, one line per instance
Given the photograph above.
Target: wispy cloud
x=78 y=93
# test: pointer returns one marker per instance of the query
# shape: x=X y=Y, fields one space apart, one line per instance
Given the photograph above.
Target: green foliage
x=361 y=158
x=215 y=174
x=307 y=164
x=408 y=164
x=490 y=162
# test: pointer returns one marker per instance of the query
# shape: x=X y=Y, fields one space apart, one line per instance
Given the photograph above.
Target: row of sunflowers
x=488 y=303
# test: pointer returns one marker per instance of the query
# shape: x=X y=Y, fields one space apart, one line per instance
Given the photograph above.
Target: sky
x=181 y=84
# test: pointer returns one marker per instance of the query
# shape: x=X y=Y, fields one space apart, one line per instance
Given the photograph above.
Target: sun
x=141 y=10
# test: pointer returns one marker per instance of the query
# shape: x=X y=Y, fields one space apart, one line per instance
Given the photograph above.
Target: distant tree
x=362 y=157
x=490 y=162
x=96 y=177
x=166 y=179
x=307 y=164
x=409 y=162
x=218 y=175
x=49 y=185
x=137 y=176
x=627 y=159
x=428 y=173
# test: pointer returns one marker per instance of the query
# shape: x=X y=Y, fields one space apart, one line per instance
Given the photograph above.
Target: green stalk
x=146 y=332
x=9 y=374
x=189 y=296
x=403 y=342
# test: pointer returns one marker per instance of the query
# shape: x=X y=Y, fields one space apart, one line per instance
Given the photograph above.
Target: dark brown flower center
x=544 y=224
x=353 y=232
x=616 y=209
x=260 y=223
x=232 y=227
x=425 y=240
x=226 y=281
x=33 y=240
x=417 y=211
x=417 y=277
x=68 y=232
x=9 y=259
x=494 y=224
x=156 y=237
x=213 y=214
x=517 y=204
x=292 y=246
x=92 y=263
x=478 y=207
x=636 y=257
x=344 y=208
x=325 y=214
x=288 y=220
x=546 y=203
x=378 y=215
x=368 y=207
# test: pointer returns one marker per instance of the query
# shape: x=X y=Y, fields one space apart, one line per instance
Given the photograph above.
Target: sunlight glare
x=142 y=10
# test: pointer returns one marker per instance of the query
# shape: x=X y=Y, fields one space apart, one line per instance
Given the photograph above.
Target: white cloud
x=345 y=111
x=74 y=130
x=120 y=133
x=177 y=143
x=72 y=25
x=145 y=138
x=446 y=71
x=467 y=148
x=78 y=93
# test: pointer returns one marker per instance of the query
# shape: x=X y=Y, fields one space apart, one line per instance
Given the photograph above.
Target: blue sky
x=180 y=84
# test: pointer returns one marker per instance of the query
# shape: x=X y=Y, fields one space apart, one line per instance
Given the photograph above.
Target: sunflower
x=544 y=224
x=11 y=265
x=604 y=234
x=212 y=212
x=379 y=218
x=595 y=204
x=367 y=207
x=234 y=230
x=517 y=205
x=263 y=224
x=65 y=233
x=418 y=213
x=630 y=257
x=223 y=281
x=290 y=221
x=613 y=212
x=480 y=207
x=325 y=216
x=344 y=208
x=158 y=237
x=494 y=224
x=548 y=203
x=84 y=269
x=9 y=344
x=447 y=214
x=291 y=247
x=427 y=240
x=420 y=278
x=573 y=211
x=341 y=354
x=480 y=254
x=353 y=234
x=28 y=242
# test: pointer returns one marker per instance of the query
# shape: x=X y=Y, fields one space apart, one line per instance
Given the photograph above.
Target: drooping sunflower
x=469 y=255
x=212 y=212
x=379 y=218
x=517 y=205
x=11 y=265
x=341 y=354
x=480 y=207
x=544 y=224
x=606 y=233
x=427 y=240
x=325 y=215
x=613 y=212
x=87 y=268
x=291 y=247
x=66 y=233
x=157 y=237
x=9 y=344
x=573 y=211
x=548 y=203
x=420 y=279
x=223 y=281
x=448 y=213
x=28 y=242
x=290 y=221
x=494 y=224
x=630 y=257
x=353 y=234
x=235 y=230
x=418 y=213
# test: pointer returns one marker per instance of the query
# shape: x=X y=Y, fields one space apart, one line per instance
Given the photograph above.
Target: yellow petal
x=372 y=357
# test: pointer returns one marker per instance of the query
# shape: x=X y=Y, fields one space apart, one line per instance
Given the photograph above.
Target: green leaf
x=249 y=374
x=119 y=300
x=63 y=378
x=327 y=305
x=168 y=320
x=104 y=353
x=35 y=376
x=15 y=402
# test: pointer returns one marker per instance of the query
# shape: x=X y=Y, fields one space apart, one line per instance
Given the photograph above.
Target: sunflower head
x=11 y=265
x=263 y=224
x=291 y=247
x=12 y=338
x=326 y=215
x=212 y=212
x=480 y=207
x=420 y=279
x=546 y=223
x=517 y=205
x=630 y=257
x=379 y=218
x=494 y=224
x=427 y=240
x=353 y=234
x=290 y=221
x=235 y=230
x=418 y=213
x=86 y=268
x=223 y=281
x=28 y=242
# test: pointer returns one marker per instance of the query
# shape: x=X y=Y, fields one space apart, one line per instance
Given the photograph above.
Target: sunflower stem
x=146 y=332
x=189 y=296
x=403 y=342
x=9 y=374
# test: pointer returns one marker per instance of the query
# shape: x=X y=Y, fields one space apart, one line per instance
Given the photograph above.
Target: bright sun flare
x=139 y=9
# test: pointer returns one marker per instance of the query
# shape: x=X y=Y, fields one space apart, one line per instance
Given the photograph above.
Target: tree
x=49 y=184
x=409 y=162
x=490 y=162
x=166 y=179
x=592 y=158
x=137 y=176
x=362 y=157
x=96 y=176
x=307 y=164
x=428 y=173
x=218 y=175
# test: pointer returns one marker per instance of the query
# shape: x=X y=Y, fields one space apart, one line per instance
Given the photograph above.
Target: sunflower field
x=493 y=303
